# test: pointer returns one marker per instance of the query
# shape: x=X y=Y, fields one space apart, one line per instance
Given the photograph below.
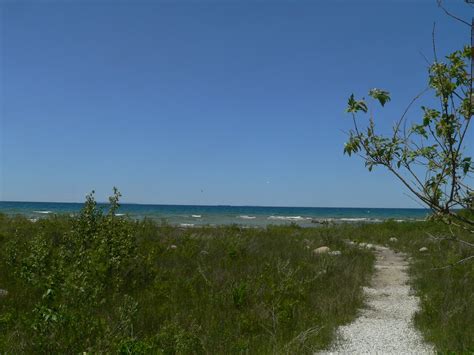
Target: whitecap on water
x=247 y=217
x=286 y=218
x=353 y=219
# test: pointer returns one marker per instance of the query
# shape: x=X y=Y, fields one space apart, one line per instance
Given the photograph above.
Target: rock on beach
x=321 y=250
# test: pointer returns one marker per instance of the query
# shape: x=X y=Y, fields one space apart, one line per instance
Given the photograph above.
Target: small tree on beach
x=428 y=157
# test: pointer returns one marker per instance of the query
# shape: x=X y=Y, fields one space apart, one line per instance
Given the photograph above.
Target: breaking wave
x=286 y=218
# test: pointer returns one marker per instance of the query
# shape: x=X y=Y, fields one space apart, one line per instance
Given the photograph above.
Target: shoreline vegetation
x=101 y=282
x=285 y=221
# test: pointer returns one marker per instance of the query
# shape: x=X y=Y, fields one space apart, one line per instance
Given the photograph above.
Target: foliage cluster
x=68 y=275
x=427 y=157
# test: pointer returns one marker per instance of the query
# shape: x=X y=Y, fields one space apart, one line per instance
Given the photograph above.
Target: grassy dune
x=104 y=284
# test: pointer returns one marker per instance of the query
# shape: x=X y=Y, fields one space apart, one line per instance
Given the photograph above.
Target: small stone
x=369 y=246
x=335 y=253
x=204 y=252
x=172 y=246
x=423 y=249
x=321 y=250
x=363 y=245
x=393 y=240
x=3 y=292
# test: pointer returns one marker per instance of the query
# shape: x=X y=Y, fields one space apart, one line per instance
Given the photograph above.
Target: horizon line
x=216 y=205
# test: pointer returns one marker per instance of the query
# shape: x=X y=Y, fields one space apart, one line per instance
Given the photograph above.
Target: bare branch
x=397 y=127
x=440 y=4
x=424 y=57
x=451 y=239
x=433 y=39
x=415 y=200
x=462 y=261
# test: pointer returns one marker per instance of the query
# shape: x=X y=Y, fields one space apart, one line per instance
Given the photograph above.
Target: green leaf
x=354 y=105
x=369 y=165
x=466 y=165
x=381 y=95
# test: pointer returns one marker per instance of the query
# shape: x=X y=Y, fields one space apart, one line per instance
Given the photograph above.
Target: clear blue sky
x=206 y=102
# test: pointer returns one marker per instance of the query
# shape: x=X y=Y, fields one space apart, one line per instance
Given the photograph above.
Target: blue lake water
x=187 y=215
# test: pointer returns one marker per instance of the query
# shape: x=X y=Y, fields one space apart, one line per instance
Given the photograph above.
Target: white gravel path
x=385 y=325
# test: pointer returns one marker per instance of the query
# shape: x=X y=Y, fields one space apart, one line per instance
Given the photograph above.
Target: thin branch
x=422 y=186
x=433 y=39
x=407 y=109
x=355 y=124
x=415 y=200
x=451 y=239
x=425 y=58
x=417 y=194
x=440 y=4
x=462 y=219
x=462 y=261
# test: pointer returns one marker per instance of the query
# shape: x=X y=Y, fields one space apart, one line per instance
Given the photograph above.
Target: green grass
x=100 y=283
